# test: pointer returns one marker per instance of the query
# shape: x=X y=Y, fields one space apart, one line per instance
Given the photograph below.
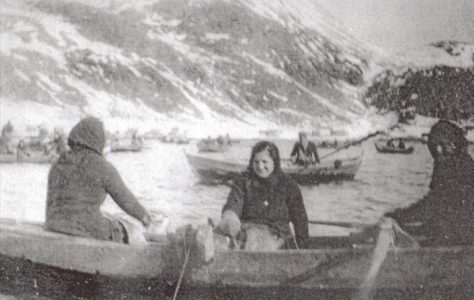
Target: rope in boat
x=384 y=240
x=181 y=274
x=389 y=230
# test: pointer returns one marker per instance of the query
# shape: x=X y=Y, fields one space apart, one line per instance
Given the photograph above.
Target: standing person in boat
x=262 y=204
x=304 y=151
x=5 y=139
x=446 y=212
x=21 y=150
x=401 y=144
x=78 y=184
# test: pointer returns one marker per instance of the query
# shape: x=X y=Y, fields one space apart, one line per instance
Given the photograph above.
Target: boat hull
x=211 y=170
x=35 y=261
x=383 y=149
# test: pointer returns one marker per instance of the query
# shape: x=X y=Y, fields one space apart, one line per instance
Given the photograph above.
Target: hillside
x=205 y=65
x=433 y=81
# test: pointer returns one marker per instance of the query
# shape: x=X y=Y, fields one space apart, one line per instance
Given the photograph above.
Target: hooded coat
x=447 y=211
x=78 y=184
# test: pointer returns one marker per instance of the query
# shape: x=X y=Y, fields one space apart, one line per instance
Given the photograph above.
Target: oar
x=356 y=225
x=351 y=144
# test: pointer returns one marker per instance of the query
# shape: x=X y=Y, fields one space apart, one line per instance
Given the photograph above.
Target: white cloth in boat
x=138 y=234
x=252 y=237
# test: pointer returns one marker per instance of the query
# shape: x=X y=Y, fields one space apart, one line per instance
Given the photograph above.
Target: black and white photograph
x=244 y=149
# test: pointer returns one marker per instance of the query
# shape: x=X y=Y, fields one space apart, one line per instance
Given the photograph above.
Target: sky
x=397 y=25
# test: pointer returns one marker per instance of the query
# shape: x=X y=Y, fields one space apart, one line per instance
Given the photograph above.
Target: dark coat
x=78 y=184
x=447 y=211
x=309 y=152
x=275 y=203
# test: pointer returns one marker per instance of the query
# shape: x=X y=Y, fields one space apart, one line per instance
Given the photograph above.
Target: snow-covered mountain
x=203 y=64
x=210 y=66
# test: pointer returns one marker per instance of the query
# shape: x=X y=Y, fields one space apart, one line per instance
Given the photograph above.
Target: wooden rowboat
x=35 y=261
x=215 y=169
x=126 y=146
x=393 y=150
x=33 y=158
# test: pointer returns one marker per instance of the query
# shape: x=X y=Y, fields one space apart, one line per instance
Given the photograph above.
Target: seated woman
x=446 y=212
x=78 y=184
x=265 y=200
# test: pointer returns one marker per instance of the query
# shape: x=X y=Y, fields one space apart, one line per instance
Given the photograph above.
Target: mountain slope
x=162 y=63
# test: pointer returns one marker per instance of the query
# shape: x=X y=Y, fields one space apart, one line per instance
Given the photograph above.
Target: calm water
x=162 y=180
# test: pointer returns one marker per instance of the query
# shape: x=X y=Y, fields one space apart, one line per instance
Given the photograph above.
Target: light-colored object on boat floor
x=253 y=237
x=135 y=230
x=259 y=238
x=205 y=243
x=230 y=223
x=139 y=234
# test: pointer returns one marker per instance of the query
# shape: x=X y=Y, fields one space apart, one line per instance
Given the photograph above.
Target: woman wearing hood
x=264 y=202
x=78 y=184
x=446 y=212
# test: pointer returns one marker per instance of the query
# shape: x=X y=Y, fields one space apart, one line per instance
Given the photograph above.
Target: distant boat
x=175 y=139
x=213 y=145
x=33 y=158
x=213 y=169
x=129 y=146
x=393 y=150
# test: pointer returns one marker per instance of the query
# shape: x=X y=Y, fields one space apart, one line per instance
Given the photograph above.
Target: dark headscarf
x=449 y=170
x=88 y=133
x=444 y=131
x=274 y=155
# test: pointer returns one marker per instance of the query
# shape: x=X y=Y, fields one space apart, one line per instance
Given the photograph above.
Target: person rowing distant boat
x=78 y=184
x=262 y=204
x=304 y=151
x=446 y=212
x=401 y=144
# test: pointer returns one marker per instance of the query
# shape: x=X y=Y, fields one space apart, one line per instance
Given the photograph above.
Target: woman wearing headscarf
x=263 y=202
x=78 y=184
x=446 y=212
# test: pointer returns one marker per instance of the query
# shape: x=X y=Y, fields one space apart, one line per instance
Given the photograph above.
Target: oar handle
x=357 y=225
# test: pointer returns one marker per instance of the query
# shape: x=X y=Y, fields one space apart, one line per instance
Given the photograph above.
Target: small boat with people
x=393 y=150
x=389 y=147
x=220 y=144
x=217 y=169
x=132 y=146
x=175 y=136
x=47 y=263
